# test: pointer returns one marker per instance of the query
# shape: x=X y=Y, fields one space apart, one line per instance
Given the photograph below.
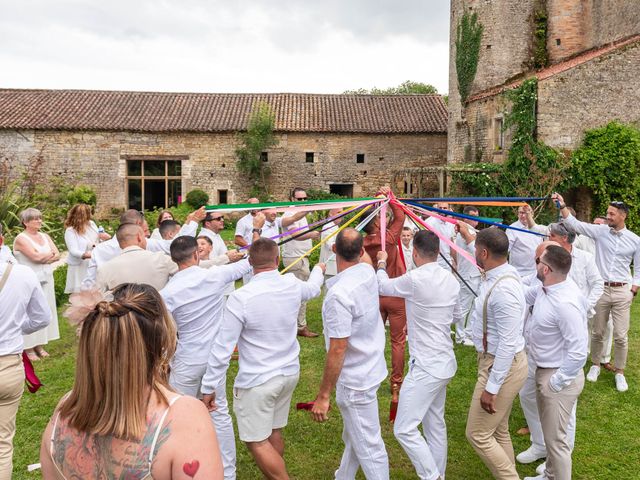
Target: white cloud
x=221 y=46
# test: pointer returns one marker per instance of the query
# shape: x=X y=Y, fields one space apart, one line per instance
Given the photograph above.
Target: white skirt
x=52 y=332
x=75 y=275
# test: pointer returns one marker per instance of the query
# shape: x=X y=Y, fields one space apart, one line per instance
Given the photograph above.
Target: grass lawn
x=607 y=442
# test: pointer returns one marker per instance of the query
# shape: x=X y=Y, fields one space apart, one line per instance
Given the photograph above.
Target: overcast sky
x=312 y=46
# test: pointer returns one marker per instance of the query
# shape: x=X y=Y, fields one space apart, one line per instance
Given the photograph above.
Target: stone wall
x=589 y=96
x=98 y=159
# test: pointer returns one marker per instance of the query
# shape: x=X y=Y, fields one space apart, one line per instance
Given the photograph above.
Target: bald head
x=543 y=246
x=349 y=245
x=129 y=234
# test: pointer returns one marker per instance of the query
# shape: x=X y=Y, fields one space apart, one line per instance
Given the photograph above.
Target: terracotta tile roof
x=560 y=67
x=212 y=112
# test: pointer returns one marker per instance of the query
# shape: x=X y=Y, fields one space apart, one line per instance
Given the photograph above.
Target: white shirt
x=296 y=248
x=557 y=331
x=326 y=254
x=585 y=243
x=506 y=311
x=409 y=223
x=522 y=249
x=6 y=256
x=431 y=295
x=78 y=245
x=194 y=296
x=586 y=276
x=219 y=248
x=270 y=230
x=447 y=230
x=261 y=318
x=466 y=269
x=23 y=308
x=407 y=254
x=164 y=246
x=351 y=310
x=614 y=250
x=244 y=228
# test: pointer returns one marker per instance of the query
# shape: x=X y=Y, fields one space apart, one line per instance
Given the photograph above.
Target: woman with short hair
x=37 y=251
x=121 y=419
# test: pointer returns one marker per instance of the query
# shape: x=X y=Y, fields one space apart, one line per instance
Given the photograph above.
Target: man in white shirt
x=406 y=242
x=585 y=275
x=616 y=249
x=5 y=252
x=496 y=328
x=557 y=340
x=355 y=365
x=23 y=310
x=272 y=224
x=261 y=319
x=431 y=295
x=135 y=264
x=212 y=225
x=194 y=297
x=244 y=227
x=465 y=239
x=522 y=245
x=292 y=250
x=326 y=250
x=447 y=230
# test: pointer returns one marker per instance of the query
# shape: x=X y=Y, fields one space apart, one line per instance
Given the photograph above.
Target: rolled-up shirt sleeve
x=337 y=317
x=571 y=326
x=223 y=345
x=38 y=313
x=401 y=286
x=505 y=308
x=312 y=287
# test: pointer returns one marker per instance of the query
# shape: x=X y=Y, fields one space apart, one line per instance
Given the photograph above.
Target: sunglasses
x=218 y=218
x=538 y=262
x=299 y=199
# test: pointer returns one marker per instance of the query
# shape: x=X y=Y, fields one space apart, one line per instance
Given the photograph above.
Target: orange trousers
x=393 y=309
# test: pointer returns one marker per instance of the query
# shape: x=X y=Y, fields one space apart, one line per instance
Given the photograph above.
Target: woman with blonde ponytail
x=121 y=419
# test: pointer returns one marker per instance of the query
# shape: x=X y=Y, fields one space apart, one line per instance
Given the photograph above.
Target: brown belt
x=615 y=284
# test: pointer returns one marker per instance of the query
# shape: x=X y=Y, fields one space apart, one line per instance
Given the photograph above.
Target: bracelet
x=382 y=264
x=562 y=205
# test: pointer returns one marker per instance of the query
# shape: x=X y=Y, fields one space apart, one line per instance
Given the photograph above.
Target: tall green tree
x=405 y=88
x=258 y=137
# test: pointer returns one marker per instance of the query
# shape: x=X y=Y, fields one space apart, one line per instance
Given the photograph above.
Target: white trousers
x=187 y=379
x=607 y=339
x=466 y=298
x=530 y=408
x=422 y=399
x=363 y=445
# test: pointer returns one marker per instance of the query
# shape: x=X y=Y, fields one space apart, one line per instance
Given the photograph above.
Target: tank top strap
x=159 y=429
x=35 y=244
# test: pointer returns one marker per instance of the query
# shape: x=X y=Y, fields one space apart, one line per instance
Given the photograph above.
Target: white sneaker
x=621 y=383
x=541 y=468
x=531 y=455
x=468 y=342
x=594 y=373
x=538 y=477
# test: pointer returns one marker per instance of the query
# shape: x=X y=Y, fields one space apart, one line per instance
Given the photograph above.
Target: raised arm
x=312 y=287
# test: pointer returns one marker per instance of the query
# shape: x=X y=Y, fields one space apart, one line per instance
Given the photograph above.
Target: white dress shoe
x=531 y=455
x=537 y=477
x=621 y=383
x=594 y=373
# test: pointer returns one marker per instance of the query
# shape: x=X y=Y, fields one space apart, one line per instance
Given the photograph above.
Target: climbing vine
x=540 y=26
x=608 y=163
x=468 y=38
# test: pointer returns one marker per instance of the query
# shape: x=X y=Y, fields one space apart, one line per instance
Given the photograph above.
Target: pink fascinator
x=82 y=303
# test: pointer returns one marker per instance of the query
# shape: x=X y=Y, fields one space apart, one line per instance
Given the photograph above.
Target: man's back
x=135 y=265
x=194 y=297
x=351 y=309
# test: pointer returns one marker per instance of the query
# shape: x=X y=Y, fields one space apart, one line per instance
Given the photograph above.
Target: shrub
x=81 y=194
x=197 y=198
x=59 y=282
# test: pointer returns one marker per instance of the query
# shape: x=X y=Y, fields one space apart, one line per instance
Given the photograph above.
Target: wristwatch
x=257 y=230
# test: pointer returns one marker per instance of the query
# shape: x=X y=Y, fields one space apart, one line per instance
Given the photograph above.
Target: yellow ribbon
x=342 y=227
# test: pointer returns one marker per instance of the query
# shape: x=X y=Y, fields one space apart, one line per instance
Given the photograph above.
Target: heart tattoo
x=191 y=468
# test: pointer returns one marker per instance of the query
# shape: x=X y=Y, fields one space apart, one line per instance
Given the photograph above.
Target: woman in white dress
x=37 y=251
x=81 y=236
x=164 y=215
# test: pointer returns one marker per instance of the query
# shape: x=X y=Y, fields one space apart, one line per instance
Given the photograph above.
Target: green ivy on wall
x=468 y=38
x=540 y=26
x=608 y=163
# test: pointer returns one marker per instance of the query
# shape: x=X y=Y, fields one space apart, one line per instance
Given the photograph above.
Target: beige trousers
x=617 y=301
x=11 y=388
x=488 y=433
x=555 y=412
x=301 y=271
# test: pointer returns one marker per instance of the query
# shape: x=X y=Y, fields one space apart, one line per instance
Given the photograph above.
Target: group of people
x=160 y=321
